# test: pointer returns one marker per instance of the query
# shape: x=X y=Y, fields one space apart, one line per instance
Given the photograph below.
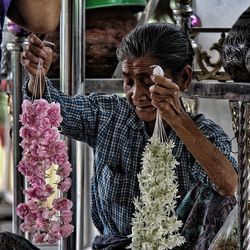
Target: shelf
x=235 y=91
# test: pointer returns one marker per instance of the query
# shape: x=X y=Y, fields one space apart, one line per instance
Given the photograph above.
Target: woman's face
x=136 y=82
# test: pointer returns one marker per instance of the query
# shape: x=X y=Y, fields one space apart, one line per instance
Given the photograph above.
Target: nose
x=139 y=93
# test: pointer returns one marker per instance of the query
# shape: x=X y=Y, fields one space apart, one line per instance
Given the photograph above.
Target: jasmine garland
x=155 y=225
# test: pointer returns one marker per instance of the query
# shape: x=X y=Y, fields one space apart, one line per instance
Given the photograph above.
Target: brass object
x=211 y=70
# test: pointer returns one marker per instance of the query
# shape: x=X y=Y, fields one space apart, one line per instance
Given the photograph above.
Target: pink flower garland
x=42 y=150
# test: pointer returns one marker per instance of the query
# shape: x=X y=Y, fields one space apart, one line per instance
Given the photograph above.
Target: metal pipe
x=18 y=180
x=78 y=71
x=65 y=47
x=66 y=87
x=244 y=175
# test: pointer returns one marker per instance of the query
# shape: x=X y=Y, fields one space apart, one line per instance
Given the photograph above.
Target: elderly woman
x=118 y=129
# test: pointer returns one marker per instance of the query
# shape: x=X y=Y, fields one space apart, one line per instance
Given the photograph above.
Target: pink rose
x=66 y=230
x=27 y=133
x=40 y=238
x=22 y=210
x=48 y=136
x=48 y=214
x=62 y=204
x=41 y=107
x=54 y=114
x=36 y=180
x=25 y=169
x=43 y=124
x=60 y=147
x=64 y=184
x=54 y=232
x=27 y=119
x=26 y=227
x=27 y=107
x=30 y=218
x=41 y=151
x=39 y=193
x=42 y=224
x=66 y=216
x=33 y=206
x=53 y=238
x=64 y=170
x=60 y=159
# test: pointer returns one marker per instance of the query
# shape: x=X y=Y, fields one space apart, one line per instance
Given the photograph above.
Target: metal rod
x=18 y=179
x=78 y=76
x=237 y=91
x=244 y=175
x=65 y=47
x=66 y=87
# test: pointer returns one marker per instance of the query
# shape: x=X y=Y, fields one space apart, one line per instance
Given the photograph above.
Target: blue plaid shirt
x=110 y=126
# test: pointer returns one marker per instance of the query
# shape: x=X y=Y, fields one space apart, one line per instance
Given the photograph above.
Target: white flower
x=155 y=225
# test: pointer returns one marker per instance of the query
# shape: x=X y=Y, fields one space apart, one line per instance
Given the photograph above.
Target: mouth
x=145 y=109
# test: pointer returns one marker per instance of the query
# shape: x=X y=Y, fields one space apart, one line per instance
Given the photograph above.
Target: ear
x=185 y=78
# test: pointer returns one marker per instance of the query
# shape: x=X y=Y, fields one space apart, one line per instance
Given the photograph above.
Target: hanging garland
x=155 y=225
x=44 y=155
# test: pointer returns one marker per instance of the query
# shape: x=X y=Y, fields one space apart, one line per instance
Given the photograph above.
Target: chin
x=146 y=116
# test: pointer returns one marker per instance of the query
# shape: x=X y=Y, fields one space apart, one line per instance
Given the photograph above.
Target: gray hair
x=164 y=42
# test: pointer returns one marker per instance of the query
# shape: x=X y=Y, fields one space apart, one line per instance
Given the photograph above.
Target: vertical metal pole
x=72 y=44
x=65 y=47
x=18 y=179
x=66 y=83
x=244 y=177
x=78 y=50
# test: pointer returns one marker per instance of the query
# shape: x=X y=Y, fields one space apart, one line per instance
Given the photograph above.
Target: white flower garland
x=155 y=225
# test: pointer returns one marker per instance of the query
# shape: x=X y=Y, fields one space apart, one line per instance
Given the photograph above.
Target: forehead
x=138 y=66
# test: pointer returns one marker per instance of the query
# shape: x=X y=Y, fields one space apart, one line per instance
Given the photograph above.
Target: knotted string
x=159 y=130
x=38 y=81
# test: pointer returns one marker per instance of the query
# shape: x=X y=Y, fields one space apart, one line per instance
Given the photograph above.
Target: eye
x=147 y=82
x=128 y=82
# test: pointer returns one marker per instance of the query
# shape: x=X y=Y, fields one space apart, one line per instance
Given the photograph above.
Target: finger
x=49 y=44
x=28 y=64
x=49 y=56
x=163 y=90
x=38 y=52
x=29 y=56
x=165 y=98
x=163 y=81
x=35 y=40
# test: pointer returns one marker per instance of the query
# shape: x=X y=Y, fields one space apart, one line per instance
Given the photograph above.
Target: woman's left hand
x=165 y=96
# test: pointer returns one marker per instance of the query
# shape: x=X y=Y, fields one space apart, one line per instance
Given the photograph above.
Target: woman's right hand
x=35 y=50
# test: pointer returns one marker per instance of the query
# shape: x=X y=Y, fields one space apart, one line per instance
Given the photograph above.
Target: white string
x=159 y=130
x=38 y=81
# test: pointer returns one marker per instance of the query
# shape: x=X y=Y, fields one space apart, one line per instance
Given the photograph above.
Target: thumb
x=48 y=60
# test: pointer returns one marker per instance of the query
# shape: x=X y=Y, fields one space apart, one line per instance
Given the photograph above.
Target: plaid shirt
x=110 y=126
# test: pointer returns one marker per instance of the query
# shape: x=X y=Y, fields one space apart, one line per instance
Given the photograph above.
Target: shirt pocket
x=115 y=187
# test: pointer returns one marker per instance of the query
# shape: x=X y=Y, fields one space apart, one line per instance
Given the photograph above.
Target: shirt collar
x=134 y=121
